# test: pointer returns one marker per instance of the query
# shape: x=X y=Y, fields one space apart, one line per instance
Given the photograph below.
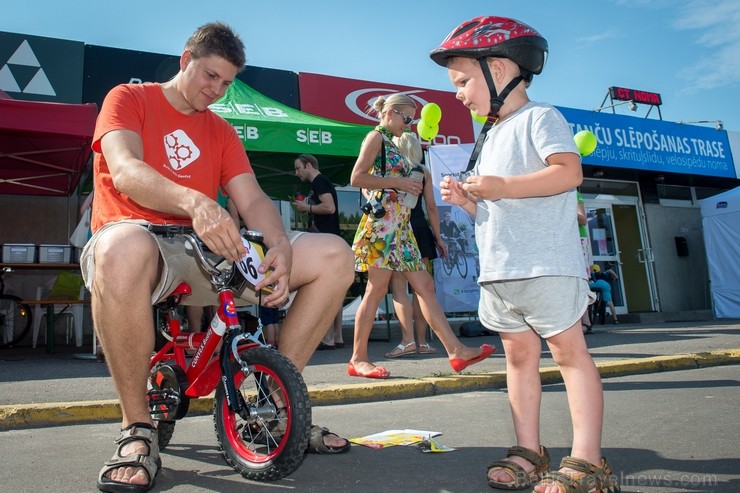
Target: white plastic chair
x=74 y=312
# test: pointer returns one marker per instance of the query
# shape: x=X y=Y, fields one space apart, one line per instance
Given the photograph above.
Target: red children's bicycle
x=261 y=411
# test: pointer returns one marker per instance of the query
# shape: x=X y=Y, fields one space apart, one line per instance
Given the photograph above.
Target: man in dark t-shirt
x=323 y=216
x=321 y=204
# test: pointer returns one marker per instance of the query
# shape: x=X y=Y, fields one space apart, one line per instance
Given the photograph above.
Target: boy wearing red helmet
x=525 y=168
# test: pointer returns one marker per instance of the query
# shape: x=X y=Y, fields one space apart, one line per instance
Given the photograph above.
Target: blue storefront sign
x=654 y=145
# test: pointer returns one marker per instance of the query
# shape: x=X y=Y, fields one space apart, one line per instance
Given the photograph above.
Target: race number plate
x=250 y=263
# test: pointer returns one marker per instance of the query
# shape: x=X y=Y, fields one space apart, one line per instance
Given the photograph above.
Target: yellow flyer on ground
x=391 y=438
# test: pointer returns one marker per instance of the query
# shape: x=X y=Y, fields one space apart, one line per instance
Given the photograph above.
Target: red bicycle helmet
x=497 y=37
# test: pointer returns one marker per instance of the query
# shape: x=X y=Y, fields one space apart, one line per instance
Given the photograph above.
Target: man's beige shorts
x=179 y=265
x=548 y=304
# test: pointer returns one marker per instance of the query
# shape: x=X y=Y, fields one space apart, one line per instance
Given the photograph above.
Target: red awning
x=43 y=146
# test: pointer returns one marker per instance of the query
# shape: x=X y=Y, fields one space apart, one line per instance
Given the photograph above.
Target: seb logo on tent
x=181 y=150
x=250 y=132
x=247 y=132
x=309 y=136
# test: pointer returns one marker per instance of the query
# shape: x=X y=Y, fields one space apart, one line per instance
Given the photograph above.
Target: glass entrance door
x=602 y=233
x=617 y=242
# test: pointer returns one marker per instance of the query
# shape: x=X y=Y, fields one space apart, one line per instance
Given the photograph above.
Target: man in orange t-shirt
x=161 y=157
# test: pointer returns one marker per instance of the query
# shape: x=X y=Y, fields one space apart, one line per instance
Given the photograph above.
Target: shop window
x=702 y=193
x=675 y=196
x=607 y=187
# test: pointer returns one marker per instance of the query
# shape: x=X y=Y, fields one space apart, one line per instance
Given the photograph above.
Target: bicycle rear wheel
x=448 y=263
x=267 y=440
x=15 y=320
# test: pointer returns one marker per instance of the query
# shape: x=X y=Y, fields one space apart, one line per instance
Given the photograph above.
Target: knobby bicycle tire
x=259 y=444
x=15 y=320
x=165 y=429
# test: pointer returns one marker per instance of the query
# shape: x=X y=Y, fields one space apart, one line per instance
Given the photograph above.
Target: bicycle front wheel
x=267 y=440
x=462 y=265
x=15 y=320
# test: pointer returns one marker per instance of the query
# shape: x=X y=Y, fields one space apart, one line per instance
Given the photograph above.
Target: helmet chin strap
x=497 y=101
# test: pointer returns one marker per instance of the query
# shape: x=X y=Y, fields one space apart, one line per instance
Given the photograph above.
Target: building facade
x=641 y=185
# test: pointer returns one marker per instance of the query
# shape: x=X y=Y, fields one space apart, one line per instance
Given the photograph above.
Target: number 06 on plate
x=250 y=263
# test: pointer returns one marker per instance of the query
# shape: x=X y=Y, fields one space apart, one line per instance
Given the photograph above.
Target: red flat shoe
x=378 y=372
x=459 y=364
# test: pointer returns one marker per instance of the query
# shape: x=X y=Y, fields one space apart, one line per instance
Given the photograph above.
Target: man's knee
x=130 y=253
x=337 y=260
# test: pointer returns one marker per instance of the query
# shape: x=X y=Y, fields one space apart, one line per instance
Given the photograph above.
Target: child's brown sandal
x=521 y=479
x=588 y=478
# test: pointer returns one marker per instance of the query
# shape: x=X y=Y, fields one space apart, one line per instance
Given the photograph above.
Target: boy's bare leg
x=585 y=396
x=522 y=351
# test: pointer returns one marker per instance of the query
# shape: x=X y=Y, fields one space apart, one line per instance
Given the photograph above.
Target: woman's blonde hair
x=382 y=104
x=409 y=147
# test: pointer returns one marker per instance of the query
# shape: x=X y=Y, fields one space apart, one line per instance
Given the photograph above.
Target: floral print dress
x=388 y=242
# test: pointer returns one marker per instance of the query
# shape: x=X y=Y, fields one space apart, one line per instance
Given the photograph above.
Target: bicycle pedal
x=156 y=398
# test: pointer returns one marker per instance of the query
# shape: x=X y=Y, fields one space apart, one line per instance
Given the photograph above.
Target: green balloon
x=479 y=119
x=431 y=113
x=427 y=132
x=586 y=142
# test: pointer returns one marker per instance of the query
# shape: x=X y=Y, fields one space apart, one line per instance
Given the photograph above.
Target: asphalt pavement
x=40 y=389
x=670 y=432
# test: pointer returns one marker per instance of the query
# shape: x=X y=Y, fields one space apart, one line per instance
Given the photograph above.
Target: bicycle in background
x=15 y=317
x=455 y=257
x=261 y=411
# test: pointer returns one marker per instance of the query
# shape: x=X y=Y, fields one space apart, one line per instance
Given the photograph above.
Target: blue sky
x=688 y=51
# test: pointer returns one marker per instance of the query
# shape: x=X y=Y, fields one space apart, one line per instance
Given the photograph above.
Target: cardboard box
x=54 y=254
x=19 y=253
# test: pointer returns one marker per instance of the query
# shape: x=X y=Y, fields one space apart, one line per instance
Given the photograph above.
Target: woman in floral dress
x=387 y=244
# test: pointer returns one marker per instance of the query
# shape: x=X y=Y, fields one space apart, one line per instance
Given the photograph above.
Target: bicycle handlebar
x=189 y=234
x=223 y=273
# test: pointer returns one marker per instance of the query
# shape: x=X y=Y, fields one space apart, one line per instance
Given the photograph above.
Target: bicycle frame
x=204 y=371
x=261 y=408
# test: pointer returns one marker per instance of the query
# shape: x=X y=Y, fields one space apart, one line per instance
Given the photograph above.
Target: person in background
x=523 y=198
x=386 y=244
x=270 y=318
x=429 y=242
x=142 y=178
x=450 y=232
x=323 y=216
x=602 y=282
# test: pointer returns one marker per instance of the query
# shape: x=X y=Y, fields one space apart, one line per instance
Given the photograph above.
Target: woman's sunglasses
x=407 y=120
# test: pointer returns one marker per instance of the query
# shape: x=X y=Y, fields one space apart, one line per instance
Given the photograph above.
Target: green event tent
x=275 y=134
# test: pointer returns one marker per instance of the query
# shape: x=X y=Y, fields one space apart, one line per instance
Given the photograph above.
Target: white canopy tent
x=721 y=225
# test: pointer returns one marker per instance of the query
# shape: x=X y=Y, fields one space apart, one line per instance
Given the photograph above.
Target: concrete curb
x=60 y=413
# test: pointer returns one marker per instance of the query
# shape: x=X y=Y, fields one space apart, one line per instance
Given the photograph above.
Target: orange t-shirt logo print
x=181 y=150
